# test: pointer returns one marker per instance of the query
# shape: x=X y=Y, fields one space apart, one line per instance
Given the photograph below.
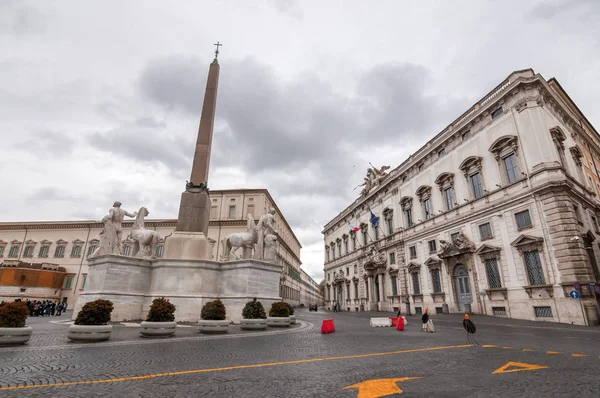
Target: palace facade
x=47 y=260
x=497 y=214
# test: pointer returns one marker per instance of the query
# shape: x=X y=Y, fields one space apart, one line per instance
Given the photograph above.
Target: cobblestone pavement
x=301 y=362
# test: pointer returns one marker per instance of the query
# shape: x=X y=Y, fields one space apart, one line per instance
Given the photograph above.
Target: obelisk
x=190 y=241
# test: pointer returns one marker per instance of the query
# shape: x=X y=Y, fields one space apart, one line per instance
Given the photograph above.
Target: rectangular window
x=91 y=249
x=436 y=281
x=326 y=253
x=250 y=210
x=427 y=208
x=28 y=251
x=59 y=251
x=127 y=250
x=594 y=222
x=160 y=249
x=346 y=246
x=44 y=251
x=533 y=264
x=493 y=273
x=394 y=285
x=476 y=185
x=432 y=246
x=14 y=251
x=355 y=268
x=365 y=235
x=213 y=212
x=413 y=252
x=367 y=290
x=353 y=241
x=415 y=281
x=356 y=290
x=577 y=213
x=392 y=258
x=409 y=220
x=232 y=211
x=76 y=251
x=543 y=312
x=339 y=245
x=376 y=230
x=83 y=281
x=347 y=271
x=454 y=237
x=523 y=219
x=497 y=112
x=510 y=168
x=332 y=251
x=485 y=231
x=449 y=198
x=499 y=311
x=68 y=281
x=2 y=250
x=390 y=225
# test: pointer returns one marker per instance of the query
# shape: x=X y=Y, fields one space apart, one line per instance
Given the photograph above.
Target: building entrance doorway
x=462 y=286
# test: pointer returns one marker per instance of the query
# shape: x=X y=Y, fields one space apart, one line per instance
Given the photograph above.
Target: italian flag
x=353 y=228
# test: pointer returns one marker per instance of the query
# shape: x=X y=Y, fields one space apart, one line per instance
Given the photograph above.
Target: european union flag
x=374 y=218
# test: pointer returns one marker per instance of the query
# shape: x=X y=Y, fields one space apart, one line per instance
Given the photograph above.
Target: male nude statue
x=113 y=230
x=266 y=226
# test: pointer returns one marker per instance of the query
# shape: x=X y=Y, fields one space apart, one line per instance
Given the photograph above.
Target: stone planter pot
x=213 y=326
x=278 y=321
x=157 y=329
x=15 y=336
x=292 y=319
x=89 y=333
x=253 y=324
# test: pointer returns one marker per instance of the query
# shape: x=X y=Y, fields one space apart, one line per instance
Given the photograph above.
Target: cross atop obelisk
x=190 y=241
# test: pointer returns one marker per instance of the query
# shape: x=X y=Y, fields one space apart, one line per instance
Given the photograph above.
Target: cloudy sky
x=100 y=100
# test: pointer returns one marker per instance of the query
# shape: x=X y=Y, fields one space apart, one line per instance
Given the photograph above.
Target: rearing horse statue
x=145 y=239
x=246 y=239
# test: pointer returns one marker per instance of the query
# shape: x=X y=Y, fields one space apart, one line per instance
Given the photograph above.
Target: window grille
x=76 y=251
x=493 y=274
x=59 y=251
x=543 y=312
x=439 y=310
x=535 y=271
x=14 y=251
x=28 y=251
x=499 y=311
x=418 y=310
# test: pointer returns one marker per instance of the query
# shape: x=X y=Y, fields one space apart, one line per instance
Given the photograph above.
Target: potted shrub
x=12 y=324
x=292 y=316
x=254 y=316
x=279 y=314
x=213 y=318
x=161 y=319
x=91 y=323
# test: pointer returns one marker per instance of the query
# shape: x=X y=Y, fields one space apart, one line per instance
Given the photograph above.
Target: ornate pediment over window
x=488 y=251
x=433 y=262
x=462 y=245
x=345 y=236
x=30 y=242
x=406 y=202
x=46 y=242
x=61 y=242
x=445 y=180
x=388 y=213
x=16 y=242
x=338 y=240
x=78 y=242
x=414 y=267
x=94 y=241
x=577 y=155
x=471 y=164
x=589 y=236
x=393 y=269
x=355 y=279
x=364 y=226
x=424 y=192
x=528 y=243
x=503 y=144
x=558 y=136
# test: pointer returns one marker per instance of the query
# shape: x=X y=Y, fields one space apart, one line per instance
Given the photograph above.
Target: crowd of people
x=43 y=308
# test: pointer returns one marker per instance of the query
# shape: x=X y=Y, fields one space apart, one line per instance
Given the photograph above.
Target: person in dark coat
x=471 y=329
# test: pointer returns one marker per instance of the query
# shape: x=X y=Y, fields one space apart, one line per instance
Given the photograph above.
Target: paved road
x=301 y=362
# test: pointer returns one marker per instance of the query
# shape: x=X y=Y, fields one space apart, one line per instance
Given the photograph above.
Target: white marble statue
x=374 y=177
x=111 y=235
x=270 y=248
x=246 y=239
x=265 y=226
x=145 y=240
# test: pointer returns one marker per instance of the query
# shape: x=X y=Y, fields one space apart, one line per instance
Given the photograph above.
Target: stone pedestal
x=131 y=284
x=188 y=246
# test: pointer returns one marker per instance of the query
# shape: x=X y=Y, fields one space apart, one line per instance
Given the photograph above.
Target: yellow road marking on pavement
x=527 y=350
x=489 y=346
x=520 y=367
x=379 y=387
x=579 y=355
x=508 y=348
x=236 y=367
x=554 y=353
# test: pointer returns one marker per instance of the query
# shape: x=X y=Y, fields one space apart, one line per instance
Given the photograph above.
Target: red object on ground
x=327 y=326
x=394 y=321
x=400 y=323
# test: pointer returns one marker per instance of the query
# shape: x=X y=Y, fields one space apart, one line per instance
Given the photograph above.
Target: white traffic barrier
x=381 y=322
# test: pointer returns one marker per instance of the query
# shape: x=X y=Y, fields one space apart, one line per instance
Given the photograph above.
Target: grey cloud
x=288 y=7
x=21 y=19
x=47 y=143
x=145 y=140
